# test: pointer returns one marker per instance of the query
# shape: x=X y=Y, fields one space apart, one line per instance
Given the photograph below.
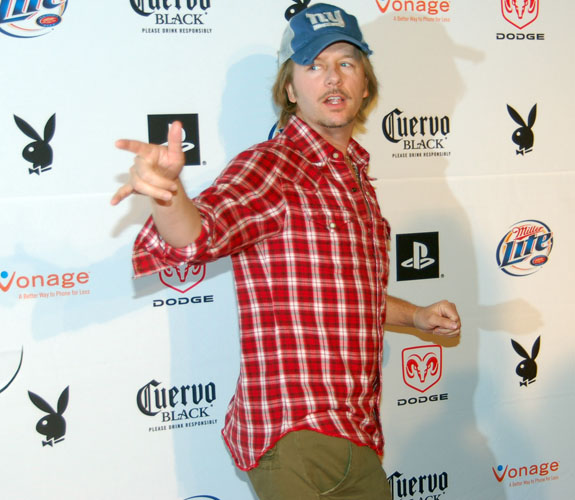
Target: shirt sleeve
x=245 y=205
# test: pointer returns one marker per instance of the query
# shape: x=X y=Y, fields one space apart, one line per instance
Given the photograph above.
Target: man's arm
x=155 y=173
x=440 y=318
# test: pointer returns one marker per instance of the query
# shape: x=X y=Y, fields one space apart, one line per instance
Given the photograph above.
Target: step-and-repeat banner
x=117 y=388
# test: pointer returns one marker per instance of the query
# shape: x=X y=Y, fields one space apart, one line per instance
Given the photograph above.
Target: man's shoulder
x=279 y=150
x=281 y=157
x=278 y=144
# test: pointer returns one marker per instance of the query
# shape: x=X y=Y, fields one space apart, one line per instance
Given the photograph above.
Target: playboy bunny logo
x=38 y=152
x=292 y=10
x=53 y=425
x=523 y=136
x=527 y=369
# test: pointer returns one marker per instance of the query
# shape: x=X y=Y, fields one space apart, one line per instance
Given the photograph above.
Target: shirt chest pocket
x=329 y=222
x=333 y=238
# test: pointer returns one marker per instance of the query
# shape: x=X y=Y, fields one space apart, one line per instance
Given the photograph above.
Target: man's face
x=330 y=91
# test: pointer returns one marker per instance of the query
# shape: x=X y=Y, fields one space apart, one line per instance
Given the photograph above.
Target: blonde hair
x=286 y=108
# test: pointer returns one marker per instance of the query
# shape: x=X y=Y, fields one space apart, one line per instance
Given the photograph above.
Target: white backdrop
x=149 y=365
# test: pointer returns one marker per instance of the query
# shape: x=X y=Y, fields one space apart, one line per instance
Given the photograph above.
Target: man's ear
x=291 y=93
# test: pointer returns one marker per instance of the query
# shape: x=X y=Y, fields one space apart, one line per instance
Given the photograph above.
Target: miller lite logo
x=520 y=13
x=525 y=248
x=422 y=366
x=183 y=278
x=21 y=19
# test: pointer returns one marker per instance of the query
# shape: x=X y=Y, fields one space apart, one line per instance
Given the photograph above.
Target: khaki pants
x=306 y=465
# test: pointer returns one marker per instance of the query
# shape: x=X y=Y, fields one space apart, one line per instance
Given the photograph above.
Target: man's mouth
x=334 y=99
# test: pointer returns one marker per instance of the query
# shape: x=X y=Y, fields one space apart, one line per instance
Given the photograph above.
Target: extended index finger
x=137 y=147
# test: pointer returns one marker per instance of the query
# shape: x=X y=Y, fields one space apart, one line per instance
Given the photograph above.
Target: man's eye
x=314 y=67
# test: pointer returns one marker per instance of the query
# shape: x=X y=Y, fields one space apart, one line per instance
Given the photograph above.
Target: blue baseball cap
x=315 y=28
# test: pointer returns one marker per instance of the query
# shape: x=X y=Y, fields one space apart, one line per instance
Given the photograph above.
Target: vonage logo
x=523 y=475
x=525 y=248
x=43 y=285
x=419 y=7
x=30 y=19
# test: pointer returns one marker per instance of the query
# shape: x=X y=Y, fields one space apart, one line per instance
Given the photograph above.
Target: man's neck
x=338 y=137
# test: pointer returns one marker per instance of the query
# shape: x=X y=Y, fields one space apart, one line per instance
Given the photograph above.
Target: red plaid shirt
x=308 y=247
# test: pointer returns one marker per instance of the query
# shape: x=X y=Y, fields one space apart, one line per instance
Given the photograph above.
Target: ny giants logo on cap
x=422 y=366
x=328 y=19
x=520 y=13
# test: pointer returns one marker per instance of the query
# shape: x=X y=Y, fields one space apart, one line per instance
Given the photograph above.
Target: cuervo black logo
x=416 y=132
x=147 y=7
x=432 y=485
x=152 y=399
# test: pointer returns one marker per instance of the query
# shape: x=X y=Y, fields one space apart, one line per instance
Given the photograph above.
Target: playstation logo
x=417 y=256
x=420 y=259
x=159 y=125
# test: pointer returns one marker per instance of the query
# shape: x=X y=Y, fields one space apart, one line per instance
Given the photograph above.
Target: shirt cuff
x=152 y=254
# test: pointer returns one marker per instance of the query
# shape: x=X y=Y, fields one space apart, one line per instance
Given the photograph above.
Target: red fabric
x=310 y=262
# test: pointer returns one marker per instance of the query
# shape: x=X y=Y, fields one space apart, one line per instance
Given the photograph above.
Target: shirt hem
x=295 y=429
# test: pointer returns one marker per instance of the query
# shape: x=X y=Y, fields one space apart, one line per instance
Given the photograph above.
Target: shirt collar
x=315 y=148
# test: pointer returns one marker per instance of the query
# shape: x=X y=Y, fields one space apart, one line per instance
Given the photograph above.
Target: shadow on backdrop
x=418 y=72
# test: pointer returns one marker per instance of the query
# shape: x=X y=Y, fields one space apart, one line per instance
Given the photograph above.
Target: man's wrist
x=416 y=310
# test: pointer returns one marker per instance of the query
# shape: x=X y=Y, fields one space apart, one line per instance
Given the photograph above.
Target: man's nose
x=333 y=76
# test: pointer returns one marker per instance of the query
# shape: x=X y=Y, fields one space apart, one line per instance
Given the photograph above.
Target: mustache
x=337 y=93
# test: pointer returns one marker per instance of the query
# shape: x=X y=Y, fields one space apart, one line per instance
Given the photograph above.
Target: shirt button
x=354 y=190
x=332 y=226
x=336 y=155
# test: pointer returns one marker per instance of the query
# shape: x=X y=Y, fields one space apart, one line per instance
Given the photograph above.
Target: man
x=302 y=224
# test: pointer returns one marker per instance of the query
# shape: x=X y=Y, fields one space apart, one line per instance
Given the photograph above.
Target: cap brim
x=306 y=55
